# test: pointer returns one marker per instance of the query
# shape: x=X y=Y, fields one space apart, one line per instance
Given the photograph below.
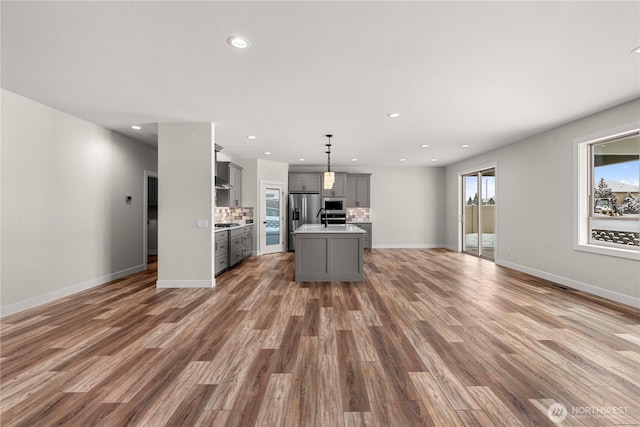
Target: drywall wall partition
x=186 y=171
x=535 y=186
x=407 y=207
x=66 y=224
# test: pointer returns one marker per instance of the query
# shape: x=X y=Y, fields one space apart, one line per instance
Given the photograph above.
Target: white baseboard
x=407 y=246
x=453 y=248
x=574 y=284
x=152 y=252
x=64 y=292
x=185 y=283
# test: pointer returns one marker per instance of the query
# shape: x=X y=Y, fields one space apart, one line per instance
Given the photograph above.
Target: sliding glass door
x=478 y=217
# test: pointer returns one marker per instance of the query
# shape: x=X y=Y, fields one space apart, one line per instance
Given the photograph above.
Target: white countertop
x=230 y=228
x=320 y=228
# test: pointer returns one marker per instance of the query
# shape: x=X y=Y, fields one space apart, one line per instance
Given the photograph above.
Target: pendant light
x=329 y=177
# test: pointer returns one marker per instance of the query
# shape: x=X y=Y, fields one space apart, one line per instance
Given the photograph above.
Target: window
x=609 y=194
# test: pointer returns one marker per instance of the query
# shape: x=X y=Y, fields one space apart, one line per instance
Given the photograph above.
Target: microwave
x=335 y=205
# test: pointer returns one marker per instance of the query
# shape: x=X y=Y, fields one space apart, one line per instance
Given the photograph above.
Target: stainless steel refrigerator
x=303 y=209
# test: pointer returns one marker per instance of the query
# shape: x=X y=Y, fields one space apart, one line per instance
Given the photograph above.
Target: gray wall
x=65 y=223
x=407 y=207
x=186 y=174
x=535 y=212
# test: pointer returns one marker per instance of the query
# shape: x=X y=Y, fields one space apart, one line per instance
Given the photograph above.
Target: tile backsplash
x=234 y=215
x=358 y=215
x=245 y=215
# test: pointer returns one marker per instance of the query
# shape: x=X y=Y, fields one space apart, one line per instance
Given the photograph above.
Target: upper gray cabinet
x=305 y=182
x=339 y=186
x=233 y=174
x=358 y=190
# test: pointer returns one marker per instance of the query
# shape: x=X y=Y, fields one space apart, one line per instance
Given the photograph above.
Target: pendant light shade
x=329 y=177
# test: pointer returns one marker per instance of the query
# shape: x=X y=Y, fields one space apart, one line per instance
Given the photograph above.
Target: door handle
x=264 y=222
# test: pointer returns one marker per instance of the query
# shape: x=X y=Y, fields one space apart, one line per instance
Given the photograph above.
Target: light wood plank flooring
x=432 y=337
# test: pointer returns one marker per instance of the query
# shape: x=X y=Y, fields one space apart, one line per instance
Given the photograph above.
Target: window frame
x=583 y=192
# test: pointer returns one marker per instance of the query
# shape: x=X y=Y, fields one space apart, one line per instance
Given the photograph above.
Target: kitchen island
x=334 y=253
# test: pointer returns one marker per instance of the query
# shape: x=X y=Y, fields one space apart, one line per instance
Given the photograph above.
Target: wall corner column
x=186 y=173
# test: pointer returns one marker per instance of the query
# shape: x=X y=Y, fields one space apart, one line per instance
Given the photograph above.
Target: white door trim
x=262 y=244
x=145 y=213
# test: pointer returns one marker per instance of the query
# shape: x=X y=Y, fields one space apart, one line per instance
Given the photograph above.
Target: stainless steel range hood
x=221 y=183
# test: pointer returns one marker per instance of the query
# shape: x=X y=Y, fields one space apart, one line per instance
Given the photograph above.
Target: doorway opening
x=271 y=218
x=479 y=213
x=150 y=219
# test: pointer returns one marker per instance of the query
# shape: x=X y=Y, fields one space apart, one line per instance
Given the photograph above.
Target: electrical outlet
x=202 y=223
x=508 y=251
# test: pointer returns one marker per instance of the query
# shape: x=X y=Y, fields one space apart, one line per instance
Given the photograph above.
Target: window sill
x=609 y=251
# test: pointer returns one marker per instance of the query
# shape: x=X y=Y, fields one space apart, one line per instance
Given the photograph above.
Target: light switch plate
x=202 y=223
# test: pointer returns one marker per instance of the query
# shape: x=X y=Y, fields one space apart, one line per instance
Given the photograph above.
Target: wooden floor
x=431 y=338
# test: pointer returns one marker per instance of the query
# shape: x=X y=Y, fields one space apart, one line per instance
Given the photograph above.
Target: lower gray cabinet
x=368 y=227
x=221 y=251
x=232 y=246
x=236 y=245
x=247 y=241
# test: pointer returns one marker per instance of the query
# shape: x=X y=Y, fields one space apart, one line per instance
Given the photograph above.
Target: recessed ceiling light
x=136 y=127
x=251 y=137
x=403 y=160
x=636 y=50
x=434 y=160
x=465 y=146
x=393 y=115
x=238 y=42
x=267 y=152
x=354 y=160
x=302 y=160
x=424 y=145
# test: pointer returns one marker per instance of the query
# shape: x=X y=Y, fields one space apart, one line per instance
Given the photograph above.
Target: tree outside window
x=615 y=218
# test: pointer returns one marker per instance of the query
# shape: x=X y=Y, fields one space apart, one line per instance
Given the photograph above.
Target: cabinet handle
x=216 y=246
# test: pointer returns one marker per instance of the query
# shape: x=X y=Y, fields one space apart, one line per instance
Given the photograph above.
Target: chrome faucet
x=325 y=215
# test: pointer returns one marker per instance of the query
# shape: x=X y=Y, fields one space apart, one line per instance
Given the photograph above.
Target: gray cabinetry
x=329 y=254
x=339 y=186
x=221 y=251
x=305 y=182
x=368 y=227
x=233 y=174
x=358 y=190
x=247 y=241
x=236 y=246
x=232 y=246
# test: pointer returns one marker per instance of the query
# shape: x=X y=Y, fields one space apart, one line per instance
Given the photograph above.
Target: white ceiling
x=478 y=73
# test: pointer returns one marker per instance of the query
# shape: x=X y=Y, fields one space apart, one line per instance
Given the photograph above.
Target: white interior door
x=272 y=217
